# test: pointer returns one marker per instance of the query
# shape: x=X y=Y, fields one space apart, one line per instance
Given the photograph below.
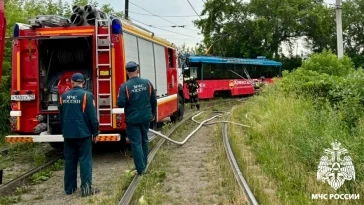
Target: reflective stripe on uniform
x=150 y=89
x=84 y=102
x=127 y=92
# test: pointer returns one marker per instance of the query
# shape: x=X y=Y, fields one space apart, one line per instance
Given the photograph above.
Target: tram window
x=259 y=71
x=268 y=72
x=207 y=72
x=186 y=73
x=194 y=70
x=217 y=72
x=224 y=71
x=239 y=71
x=231 y=67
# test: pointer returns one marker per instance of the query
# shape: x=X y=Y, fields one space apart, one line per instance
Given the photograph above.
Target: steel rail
x=133 y=185
x=131 y=189
x=237 y=173
x=11 y=185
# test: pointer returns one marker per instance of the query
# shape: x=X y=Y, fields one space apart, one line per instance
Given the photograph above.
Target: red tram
x=228 y=76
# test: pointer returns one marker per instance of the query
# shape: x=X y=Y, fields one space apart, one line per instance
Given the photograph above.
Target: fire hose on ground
x=199 y=126
x=238 y=175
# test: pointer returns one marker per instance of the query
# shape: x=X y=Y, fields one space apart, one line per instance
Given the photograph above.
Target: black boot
x=198 y=107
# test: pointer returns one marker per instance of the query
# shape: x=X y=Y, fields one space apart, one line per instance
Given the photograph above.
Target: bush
x=324 y=78
x=309 y=83
x=328 y=63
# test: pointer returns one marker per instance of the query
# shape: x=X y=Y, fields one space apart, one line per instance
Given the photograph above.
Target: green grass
x=284 y=152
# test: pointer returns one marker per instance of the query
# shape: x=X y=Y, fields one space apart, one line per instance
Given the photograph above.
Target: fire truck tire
x=56 y=145
x=179 y=114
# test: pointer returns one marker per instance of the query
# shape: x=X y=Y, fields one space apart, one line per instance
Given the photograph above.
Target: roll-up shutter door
x=131 y=48
x=161 y=69
x=146 y=57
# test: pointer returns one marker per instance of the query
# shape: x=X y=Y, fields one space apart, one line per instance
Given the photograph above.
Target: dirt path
x=106 y=167
x=189 y=185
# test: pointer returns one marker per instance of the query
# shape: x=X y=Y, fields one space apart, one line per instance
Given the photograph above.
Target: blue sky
x=190 y=33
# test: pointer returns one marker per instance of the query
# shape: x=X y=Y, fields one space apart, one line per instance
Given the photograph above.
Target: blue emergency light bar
x=116 y=26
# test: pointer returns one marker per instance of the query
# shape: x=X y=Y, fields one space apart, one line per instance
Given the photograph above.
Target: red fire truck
x=51 y=48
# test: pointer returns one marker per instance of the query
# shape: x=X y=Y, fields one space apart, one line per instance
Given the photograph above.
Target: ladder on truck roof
x=101 y=43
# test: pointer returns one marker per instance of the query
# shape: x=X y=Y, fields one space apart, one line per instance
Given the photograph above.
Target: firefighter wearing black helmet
x=192 y=87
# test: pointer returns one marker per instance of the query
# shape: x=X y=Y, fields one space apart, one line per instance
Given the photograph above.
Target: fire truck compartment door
x=55 y=138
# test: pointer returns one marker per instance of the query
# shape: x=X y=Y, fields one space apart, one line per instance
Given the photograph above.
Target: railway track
x=235 y=167
x=127 y=197
x=10 y=186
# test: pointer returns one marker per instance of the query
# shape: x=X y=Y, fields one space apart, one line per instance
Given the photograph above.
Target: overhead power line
x=152 y=13
x=160 y=16
x=193 y=8
x=164 y=29
x=163 y=16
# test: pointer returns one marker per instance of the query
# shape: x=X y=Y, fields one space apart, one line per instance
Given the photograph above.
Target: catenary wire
x=163 y=16
x=193 y=8
x=164 y=29
x=160 y=16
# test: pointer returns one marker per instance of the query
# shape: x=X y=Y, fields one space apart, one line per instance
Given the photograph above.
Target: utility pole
x=339 y=30
x=126 y=9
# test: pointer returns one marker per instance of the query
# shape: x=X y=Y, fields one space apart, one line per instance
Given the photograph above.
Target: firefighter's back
x=138 y=109
x=74 y=120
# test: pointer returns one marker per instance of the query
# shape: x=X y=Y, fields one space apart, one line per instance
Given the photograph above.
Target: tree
x=353 y=27
x=259 y=27
x=184 y=50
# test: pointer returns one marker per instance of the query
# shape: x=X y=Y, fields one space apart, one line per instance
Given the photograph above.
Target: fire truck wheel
x=179 y=114
x=174 y=117
x=181 y=110
x=56 y=145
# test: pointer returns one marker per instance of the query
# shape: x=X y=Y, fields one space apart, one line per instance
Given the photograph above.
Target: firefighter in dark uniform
x=137 y=97
x=80 y=127
x=192 y=87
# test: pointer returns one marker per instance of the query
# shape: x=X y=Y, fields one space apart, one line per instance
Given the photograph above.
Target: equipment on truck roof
x=82 y=16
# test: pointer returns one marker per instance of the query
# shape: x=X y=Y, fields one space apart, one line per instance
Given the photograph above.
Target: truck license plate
x=22 y=97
